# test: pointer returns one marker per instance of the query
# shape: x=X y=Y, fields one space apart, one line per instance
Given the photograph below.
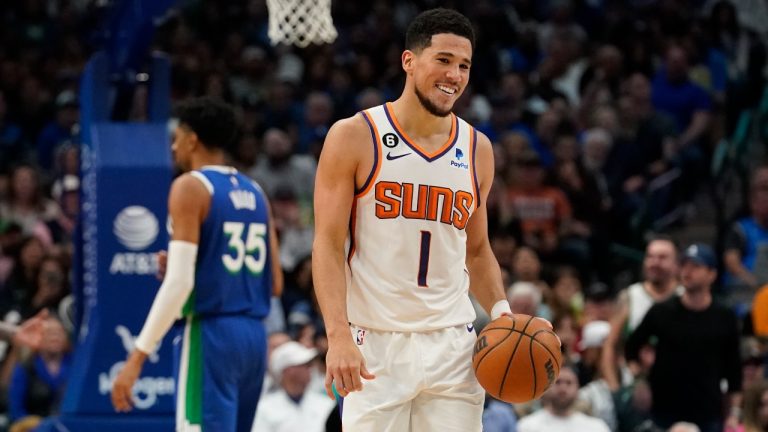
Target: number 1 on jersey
x=426 y=242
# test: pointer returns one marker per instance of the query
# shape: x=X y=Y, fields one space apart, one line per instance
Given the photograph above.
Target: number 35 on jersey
x=248 y=247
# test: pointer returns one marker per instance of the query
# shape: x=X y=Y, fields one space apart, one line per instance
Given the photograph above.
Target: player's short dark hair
x=437 y=21
x=212 y=120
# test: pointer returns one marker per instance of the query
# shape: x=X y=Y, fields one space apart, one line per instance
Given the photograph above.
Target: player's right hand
x=344 y=366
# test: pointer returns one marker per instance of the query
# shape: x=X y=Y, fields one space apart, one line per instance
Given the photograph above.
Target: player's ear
x=194 y=141
x=407 y=60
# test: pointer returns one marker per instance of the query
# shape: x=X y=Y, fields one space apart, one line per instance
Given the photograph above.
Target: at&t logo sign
x=136 y=228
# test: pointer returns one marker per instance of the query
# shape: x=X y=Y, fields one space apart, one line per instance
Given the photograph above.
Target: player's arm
x=485 y=281
x=188 y=205
x=335 y=183
x=611 y=345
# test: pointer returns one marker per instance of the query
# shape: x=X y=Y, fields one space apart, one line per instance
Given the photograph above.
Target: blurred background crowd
x=623 y=132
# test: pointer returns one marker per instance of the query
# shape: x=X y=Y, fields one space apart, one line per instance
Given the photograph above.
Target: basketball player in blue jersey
x=222 y=269
x=401 y=238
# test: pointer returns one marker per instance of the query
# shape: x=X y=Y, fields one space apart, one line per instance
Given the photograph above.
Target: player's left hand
x=122 y=387
x=546 y=321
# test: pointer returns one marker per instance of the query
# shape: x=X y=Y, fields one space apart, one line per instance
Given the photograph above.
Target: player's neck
x=416 y=120
x=207 y=158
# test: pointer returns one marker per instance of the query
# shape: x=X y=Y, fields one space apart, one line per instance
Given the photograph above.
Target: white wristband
x=501 y=307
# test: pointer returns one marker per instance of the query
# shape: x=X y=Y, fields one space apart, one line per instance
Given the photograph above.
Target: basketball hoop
x=300 y=22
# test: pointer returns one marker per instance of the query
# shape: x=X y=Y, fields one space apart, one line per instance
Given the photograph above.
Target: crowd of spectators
x=604 y=116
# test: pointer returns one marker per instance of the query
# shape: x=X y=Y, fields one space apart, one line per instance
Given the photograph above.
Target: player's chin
x=442 y=107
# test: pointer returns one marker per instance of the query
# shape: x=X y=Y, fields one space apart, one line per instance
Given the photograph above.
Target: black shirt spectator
x=697 y=345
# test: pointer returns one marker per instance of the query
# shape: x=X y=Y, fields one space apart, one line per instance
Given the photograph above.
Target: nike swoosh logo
x=390 y=157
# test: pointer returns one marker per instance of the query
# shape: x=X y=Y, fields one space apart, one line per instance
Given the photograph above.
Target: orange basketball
x=515 y=360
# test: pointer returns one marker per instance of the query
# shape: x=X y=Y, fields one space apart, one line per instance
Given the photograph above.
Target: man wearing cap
x=292 y=408
x=697 y=346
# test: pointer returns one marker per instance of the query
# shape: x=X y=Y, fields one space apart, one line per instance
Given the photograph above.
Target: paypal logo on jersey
x=456 y=162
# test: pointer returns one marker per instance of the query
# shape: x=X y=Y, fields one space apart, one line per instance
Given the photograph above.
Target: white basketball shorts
x=424 y=382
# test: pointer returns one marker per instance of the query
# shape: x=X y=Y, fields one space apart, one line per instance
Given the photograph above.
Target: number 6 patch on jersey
x=360 y=337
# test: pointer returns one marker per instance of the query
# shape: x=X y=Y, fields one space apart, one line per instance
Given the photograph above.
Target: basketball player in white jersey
x=401 y=238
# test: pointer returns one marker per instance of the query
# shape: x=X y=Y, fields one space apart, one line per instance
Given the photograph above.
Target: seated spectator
x=559 y=413
x=60 y=130
x=566 y=297
x=274 y=340
x=292 y=407
x=37 y=384
x=599 y=303
x=756 y=407
x=567 y=329
x=22 y=282
x=746 y=249
x=632 y=404
x=593 y=335
x=525 y=298
x=318 y=115
x=684 y=427
x=594 y=391
x=11 y=139
x=52 y=284
x=295 y=233
x=281 y=169
x=498 y=416
x=26 y=204
x=675 y=94
x=544 y=211
x=754 y=360
x=526 y=267
x=66 y=192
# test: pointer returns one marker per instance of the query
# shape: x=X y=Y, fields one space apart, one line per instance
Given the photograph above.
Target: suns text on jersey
x=423 y=202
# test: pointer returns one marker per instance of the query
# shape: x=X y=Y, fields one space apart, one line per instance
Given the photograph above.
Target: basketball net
x=300 y=22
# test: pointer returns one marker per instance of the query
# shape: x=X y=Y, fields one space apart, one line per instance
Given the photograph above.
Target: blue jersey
x=233 y=273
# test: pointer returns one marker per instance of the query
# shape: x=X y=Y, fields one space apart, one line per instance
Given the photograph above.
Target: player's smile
x=447 y=89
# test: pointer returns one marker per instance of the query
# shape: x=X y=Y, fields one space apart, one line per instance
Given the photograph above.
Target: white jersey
x=407 y=241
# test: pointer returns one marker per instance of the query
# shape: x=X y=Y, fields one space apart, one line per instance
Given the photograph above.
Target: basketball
x=516 y=359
